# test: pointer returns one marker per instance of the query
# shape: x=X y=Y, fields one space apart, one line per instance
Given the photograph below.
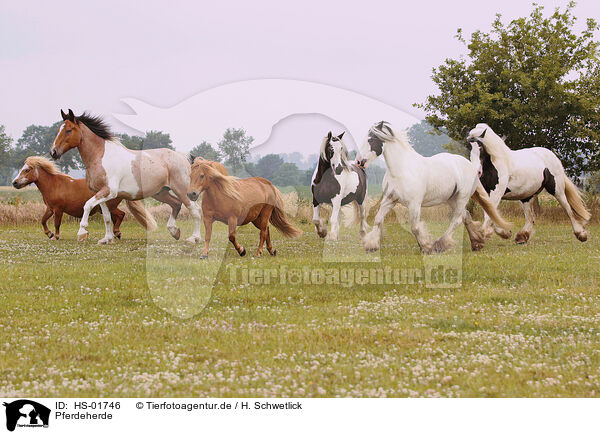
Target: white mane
x=388 y=134
x=344 y=157
x=492 y=142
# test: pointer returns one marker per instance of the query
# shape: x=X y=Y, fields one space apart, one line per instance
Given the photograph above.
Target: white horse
x=113 y=171
x=338 y=182
x=522 y=175
x=416 y=181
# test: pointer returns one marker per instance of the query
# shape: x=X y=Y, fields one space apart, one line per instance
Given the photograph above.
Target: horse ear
x=329 y=134
x=381 y=124
x=191 y=158
x=71 y=116
x=341 y=135
x=483 y=134
x=63 y=114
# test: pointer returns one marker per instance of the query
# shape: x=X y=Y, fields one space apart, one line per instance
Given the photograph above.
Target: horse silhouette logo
x=26 y=413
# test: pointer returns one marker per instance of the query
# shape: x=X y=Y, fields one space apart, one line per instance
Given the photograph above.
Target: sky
x=90 y=56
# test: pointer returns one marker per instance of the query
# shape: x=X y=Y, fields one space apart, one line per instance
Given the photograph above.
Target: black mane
x=97 y=125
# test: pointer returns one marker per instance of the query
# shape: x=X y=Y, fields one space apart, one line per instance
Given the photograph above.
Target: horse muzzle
x=193 y=195
x=54 y=154
x=16 y=184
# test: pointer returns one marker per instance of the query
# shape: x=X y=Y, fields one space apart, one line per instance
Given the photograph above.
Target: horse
x=113 y=171
x=237 y=202
x=338 y=182
x=63 y=194
x=416 y=181
x=522 y=175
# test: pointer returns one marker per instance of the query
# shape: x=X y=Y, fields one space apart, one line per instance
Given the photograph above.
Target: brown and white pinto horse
x=237 y=202
x=113 y=171
x=62 y=194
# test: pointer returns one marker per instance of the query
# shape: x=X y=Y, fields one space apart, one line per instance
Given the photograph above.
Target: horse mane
x=384 y=132
x=228 y=185
x=44 y=164
x=344 y=157
x=97 y=125
x=492 y=142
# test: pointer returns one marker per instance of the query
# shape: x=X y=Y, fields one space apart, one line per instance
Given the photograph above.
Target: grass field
x=83 y=320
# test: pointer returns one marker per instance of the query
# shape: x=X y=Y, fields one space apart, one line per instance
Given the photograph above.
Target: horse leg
x=262 y=223
x=578 y=228
x=45 y=219
x=208 y=222
x=58 y=213
x=496 y=195
x=336 y=204
x=457 y=215
x=474 y=231
x=362 y=215
x=232 y=223
x=319 y=226
x=371 y=241
x=102 y=196
x=117 y=217
x=418 y=228
x=270 y=249
x=165 y=197
x=523 y=236
x=109 y=238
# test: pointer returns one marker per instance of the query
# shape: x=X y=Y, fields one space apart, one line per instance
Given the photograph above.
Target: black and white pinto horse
x=338 y=182
x=416 y=181
x=522 y=175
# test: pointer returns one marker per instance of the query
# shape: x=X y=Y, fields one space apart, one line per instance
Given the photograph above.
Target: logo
x=26 y=413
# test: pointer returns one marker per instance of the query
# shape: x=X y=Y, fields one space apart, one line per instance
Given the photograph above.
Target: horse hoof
x=118 y=235
x=82 y=237
x=274 y=253
x=475 y=247
x=522 y=238
x=50 y=235
x=242 y=252
x=322 y=233
x=106 y=241
x=203 y=256
x=193 y=240
x=176 y=233
x=582 y=236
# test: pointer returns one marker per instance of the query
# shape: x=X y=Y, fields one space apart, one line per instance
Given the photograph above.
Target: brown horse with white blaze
x=61 y=194
x=237 y=202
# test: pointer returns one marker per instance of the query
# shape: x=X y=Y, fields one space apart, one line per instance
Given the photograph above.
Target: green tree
x=268 y=165
x=530 y=80
x=152 y=140
x=206 y=151
x=37 y=140
x=235 y=148
x=6 y=169
x=287 y=174
x=426 y=140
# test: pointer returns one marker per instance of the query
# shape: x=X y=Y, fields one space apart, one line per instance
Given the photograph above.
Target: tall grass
x=27 y=207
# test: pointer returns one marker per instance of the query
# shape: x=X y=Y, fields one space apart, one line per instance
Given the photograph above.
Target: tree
x=206 y=151
x=152 y=140
x=530 y=80
x=287 y=174
x=426 y=140
x=235 y=148
x=268 y=165
x=37 y=140
x=6 y=169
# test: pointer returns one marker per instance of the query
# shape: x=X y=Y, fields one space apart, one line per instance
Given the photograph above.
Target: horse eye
x=202 y=176
x=26 y=170
x=68 y=131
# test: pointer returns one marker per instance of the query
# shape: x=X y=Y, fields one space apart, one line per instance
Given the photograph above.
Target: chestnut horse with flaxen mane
x=237 y=202
x=62 y=194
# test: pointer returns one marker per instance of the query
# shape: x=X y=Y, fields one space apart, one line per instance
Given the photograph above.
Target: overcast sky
x=88 y=56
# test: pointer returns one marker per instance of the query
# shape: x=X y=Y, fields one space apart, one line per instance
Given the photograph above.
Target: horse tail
x=481 y=197
x=279 y=220
x=575 y=200
x=350 y=217
x=141 y=214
